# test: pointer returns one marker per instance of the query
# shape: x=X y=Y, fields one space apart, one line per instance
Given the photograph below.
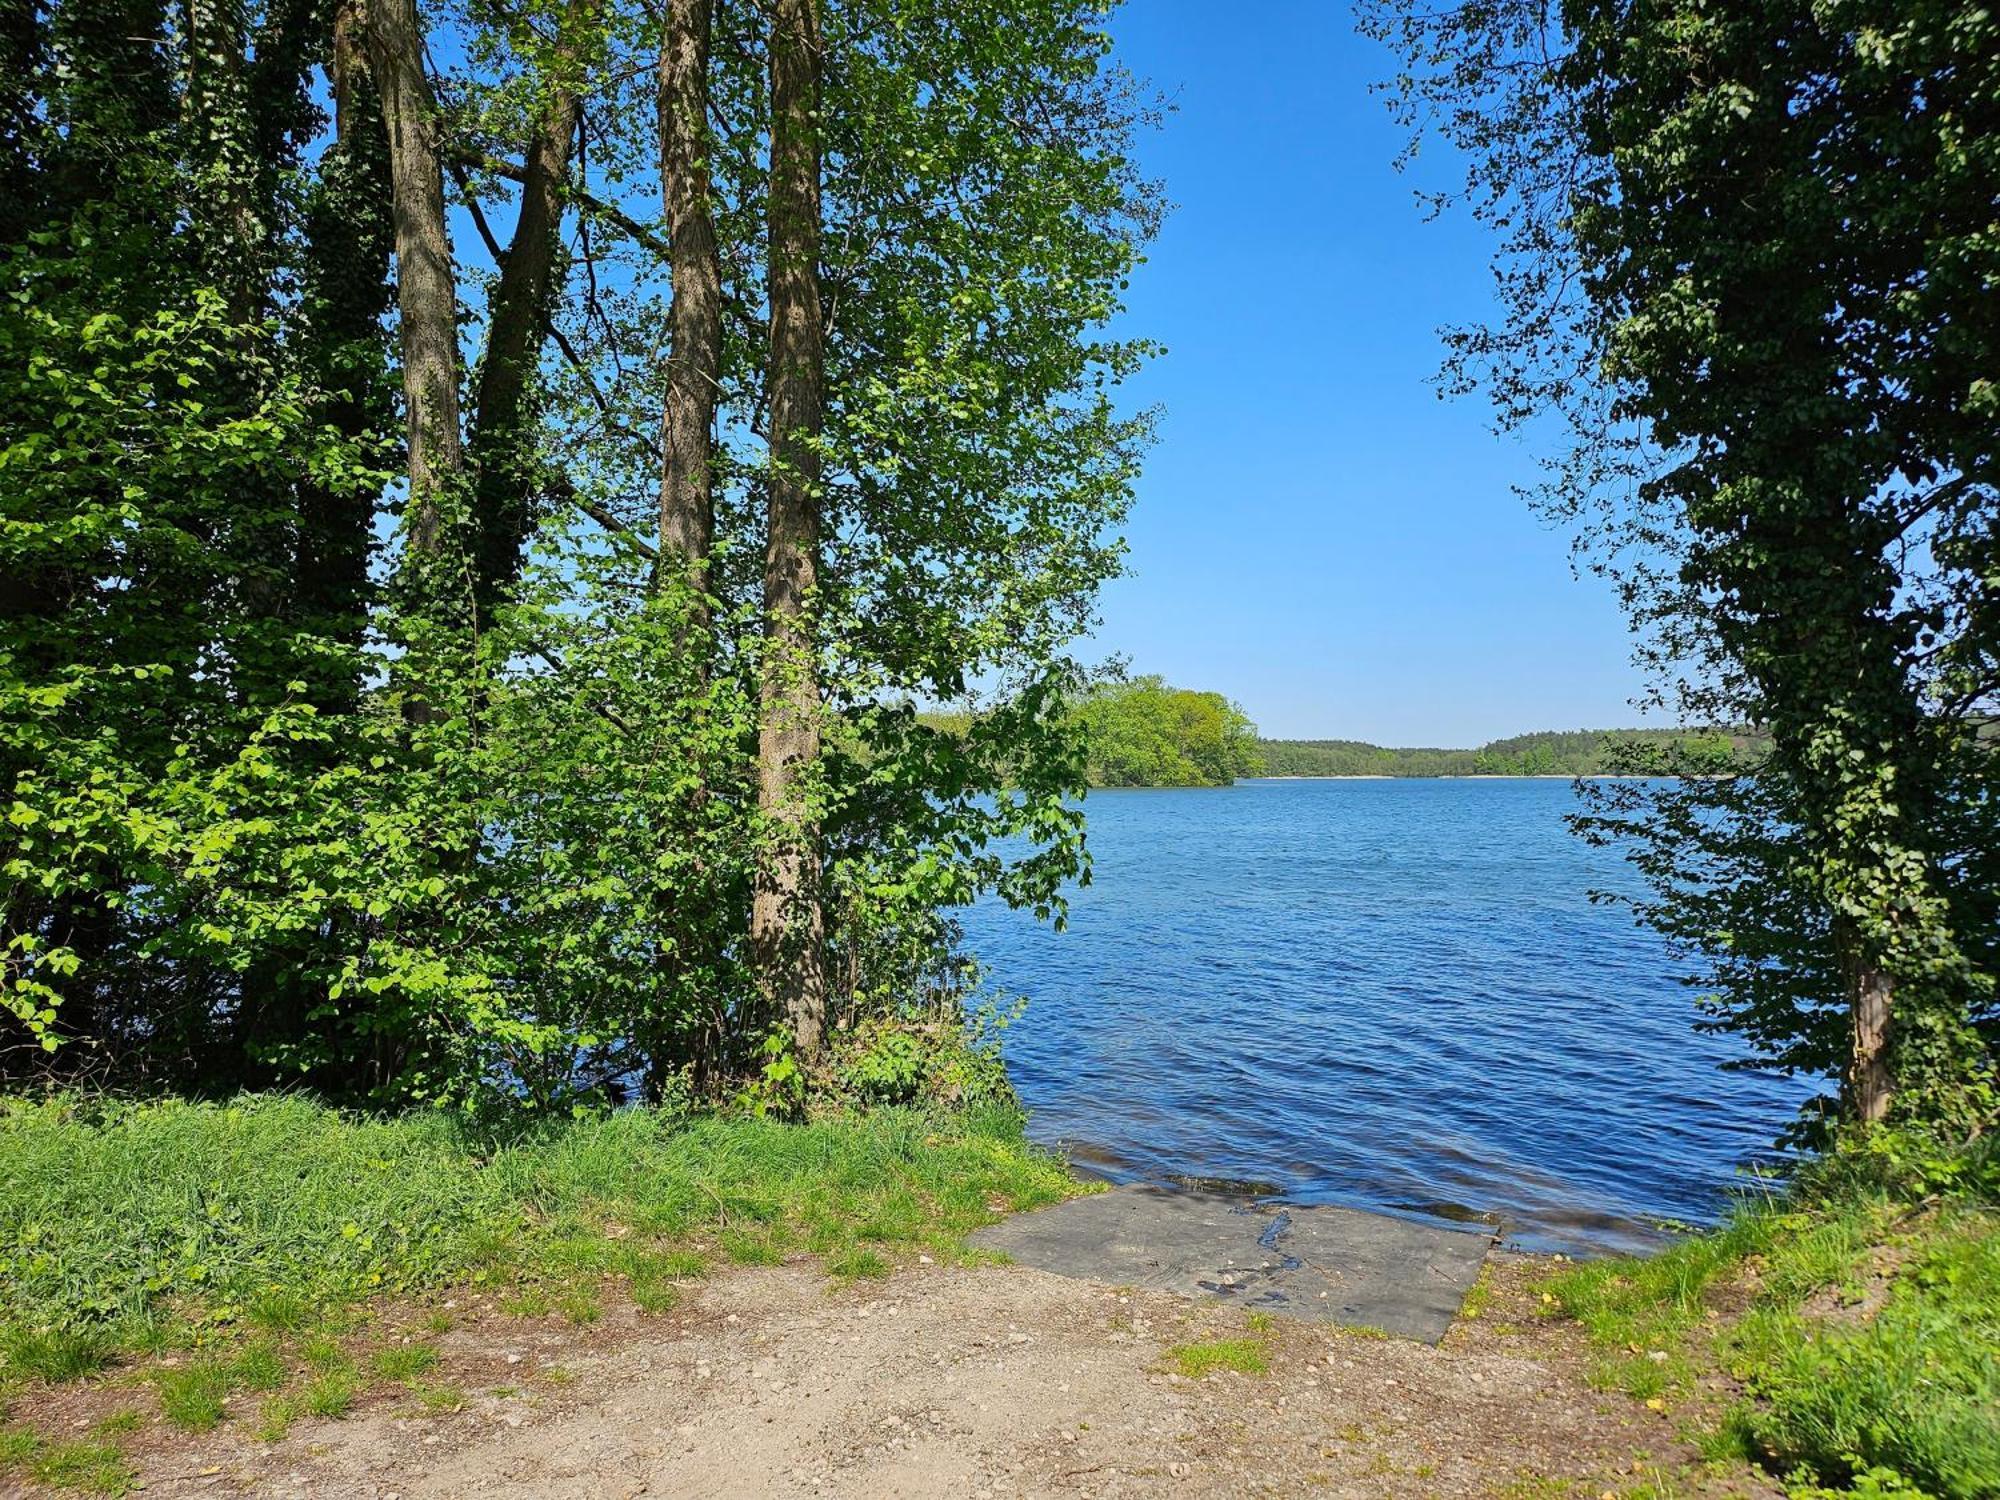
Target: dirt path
x=948 y=1382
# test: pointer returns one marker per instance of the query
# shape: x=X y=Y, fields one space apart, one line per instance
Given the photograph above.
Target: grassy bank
x=276 y=1255
x=136 y=1226
x=1849 y=1345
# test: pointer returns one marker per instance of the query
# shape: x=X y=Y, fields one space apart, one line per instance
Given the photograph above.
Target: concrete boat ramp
x=1338 y=1265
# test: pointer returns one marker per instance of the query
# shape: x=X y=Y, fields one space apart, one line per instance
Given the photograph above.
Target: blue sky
x=1317 y=534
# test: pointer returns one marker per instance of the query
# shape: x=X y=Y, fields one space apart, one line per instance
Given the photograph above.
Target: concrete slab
x=1338 y=1265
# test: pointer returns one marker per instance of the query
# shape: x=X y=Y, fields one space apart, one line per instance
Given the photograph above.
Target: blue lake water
x=1391 y=994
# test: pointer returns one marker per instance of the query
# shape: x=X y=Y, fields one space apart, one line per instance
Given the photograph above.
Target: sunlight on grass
x=287 y=1210
x=857 y=1263
x=1899 y=1386
x=405 y=1362
x=1244 y=1356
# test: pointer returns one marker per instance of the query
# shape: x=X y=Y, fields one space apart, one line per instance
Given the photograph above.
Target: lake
x=1392 y=994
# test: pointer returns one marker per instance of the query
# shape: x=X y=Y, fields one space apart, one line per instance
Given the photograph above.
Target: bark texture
x=687 y=480
x=1870 y=1083
x=426 y=285
x=504 y=413
x=787 y=924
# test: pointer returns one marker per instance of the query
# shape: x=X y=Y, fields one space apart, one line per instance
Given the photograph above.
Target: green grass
x=856 y=1263
x=273 y=1211
x=1244 y=1356
x=406 y=1362
x=53 y=1354
x=330 y=1393
x=1868 y=1354
x=275 y=1418
x=259 y=1365
x=678 y=1265
x=440 y=1396
x=752 y=1249
x=654 y=1296
x=192 y=1396
x=91 y=1468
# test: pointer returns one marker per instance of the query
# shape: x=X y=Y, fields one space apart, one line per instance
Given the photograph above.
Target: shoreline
x=1202 y=786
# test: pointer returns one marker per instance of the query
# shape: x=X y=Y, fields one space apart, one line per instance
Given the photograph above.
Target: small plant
x=581 y=1307
x=652 y=1296
x=855 y=1263
x=323 y=1353
x=328 y=1394
x=440 y=1397
x=886 y=1067
x=405 y=1362
x=119 y=1423
x=192 y=1396
x=526 y=1302
x=275 y=1418
x=278 y=1311
x=679 y=1265
x=92 y=1468
x=779 y=1090
x=55 y=1355
x=751 y=1249
x=1244 y=1356
x=258 y=1366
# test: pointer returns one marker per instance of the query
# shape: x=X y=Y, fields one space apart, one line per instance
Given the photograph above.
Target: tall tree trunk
x=687 y=472
x=694 y=362
x=1871 y=995
x=786 y=921
x=426 y=282
x=503 y=425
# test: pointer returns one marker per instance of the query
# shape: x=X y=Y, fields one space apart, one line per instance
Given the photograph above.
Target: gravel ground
x=943 y=1381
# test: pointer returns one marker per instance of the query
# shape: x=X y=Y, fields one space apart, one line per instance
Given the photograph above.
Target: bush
x=892 y=1062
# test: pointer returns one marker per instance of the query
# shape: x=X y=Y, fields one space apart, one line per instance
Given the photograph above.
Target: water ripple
x=1394 y=994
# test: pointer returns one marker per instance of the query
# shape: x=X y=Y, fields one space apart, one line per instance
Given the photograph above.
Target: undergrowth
x=1858 y=1325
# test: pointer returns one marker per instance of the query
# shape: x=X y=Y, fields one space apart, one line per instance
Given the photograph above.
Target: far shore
x=1466 y=776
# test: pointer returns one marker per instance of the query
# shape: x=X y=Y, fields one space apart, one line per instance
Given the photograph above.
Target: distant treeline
x=1143 y=731
x=1149 y=733
x=1556 y=752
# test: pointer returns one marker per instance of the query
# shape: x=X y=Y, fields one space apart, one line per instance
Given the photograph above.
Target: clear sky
x=1317 y=534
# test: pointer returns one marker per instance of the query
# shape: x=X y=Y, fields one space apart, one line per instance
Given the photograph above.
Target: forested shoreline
x=1573 y=752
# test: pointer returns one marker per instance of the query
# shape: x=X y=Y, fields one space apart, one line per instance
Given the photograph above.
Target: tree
x=787 y=926
x=426 y=276
x=1145 y=733
x=469 y=807
x=1747 y=264
x=694 y=365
